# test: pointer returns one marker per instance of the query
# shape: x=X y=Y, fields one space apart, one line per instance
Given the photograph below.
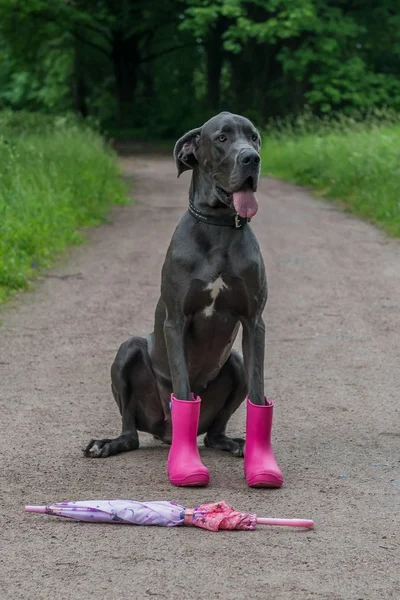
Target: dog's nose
x=249 y=158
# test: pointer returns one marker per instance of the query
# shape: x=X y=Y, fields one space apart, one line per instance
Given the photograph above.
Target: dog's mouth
x=243 y=199
x=249 y=184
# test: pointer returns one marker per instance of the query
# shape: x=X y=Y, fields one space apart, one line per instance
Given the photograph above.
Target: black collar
x=237 y=222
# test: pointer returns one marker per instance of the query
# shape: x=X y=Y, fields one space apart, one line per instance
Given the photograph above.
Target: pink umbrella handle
x=35 y=509
x=285 y=522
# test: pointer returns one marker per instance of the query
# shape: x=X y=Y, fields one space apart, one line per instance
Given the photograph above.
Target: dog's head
x=226 y=149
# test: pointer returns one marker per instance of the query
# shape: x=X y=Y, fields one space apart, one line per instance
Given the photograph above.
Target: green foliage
x=159 y=67
x=356 y=162
x=55 y=176
x=307 y=52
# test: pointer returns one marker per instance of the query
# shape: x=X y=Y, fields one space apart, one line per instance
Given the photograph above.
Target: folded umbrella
x=213 y=517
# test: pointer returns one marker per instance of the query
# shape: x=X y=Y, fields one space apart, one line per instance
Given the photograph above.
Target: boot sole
x=191 y=481
x=261 y=481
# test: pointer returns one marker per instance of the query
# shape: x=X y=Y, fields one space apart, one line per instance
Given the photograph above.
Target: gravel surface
x=332 y=366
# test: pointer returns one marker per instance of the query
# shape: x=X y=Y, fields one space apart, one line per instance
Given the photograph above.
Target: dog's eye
x=254 y=137
x=222 y=138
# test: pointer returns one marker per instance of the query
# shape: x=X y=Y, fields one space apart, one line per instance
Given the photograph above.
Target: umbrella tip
x=35 y=509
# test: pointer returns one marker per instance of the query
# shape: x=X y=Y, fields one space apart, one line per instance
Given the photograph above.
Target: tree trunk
x=243 y=80
x=125 y=60
x=78 y=84
x=79 y=93
x=214 y=63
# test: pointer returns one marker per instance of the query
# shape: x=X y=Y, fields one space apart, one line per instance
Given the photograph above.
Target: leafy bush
x=356 y=162
x=55 y=176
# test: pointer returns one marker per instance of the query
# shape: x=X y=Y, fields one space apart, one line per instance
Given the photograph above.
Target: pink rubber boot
x=260 y=467
x=184 y=463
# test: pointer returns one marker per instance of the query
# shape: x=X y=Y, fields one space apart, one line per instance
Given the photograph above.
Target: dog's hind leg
x=132 y=384
x=231 y=377
x=128 y=440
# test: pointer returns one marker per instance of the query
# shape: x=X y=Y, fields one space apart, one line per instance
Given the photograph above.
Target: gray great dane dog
x=213 y=280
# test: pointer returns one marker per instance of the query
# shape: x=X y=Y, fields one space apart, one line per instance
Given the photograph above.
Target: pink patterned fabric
x=219 y=516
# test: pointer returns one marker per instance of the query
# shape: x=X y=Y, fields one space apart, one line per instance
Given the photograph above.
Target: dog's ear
x=185 y=150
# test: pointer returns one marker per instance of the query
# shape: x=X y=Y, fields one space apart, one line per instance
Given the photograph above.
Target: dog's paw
x=238 y=447
x=225 y=444
x=109 y=447
x=98 y=448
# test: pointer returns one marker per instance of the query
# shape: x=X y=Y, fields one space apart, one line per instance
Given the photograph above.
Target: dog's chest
x=215 y=288
x=223 y=292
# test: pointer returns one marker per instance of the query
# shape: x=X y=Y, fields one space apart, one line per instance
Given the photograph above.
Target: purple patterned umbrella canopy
x=213 y=517
x=166 y=514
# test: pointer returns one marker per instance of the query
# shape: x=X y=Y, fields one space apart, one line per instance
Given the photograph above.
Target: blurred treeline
x=157 y=67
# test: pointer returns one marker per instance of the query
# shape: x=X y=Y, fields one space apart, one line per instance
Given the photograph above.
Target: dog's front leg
x=260 y=466
x=184 y=463
x=174 y=331
x=253 y=356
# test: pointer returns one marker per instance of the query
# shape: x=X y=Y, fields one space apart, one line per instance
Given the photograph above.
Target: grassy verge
x=55 y=176
x=357 y=163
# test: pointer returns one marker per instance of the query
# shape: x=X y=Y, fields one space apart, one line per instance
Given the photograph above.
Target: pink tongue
x=245 y=203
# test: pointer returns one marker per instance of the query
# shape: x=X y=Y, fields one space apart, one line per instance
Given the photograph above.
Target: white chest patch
x=215 y=287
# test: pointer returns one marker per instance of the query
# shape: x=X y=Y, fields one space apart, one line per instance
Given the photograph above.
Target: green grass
x=55 y=176
x=355 y=162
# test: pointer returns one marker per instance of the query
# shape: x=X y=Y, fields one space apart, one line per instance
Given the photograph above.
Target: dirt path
x=332 y=366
